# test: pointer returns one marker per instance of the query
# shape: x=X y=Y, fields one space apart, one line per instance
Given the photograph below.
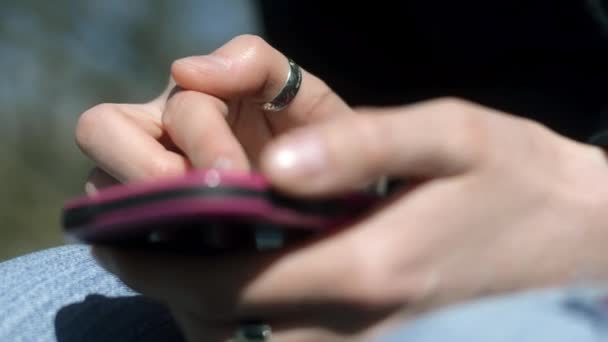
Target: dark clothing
x=543 y=59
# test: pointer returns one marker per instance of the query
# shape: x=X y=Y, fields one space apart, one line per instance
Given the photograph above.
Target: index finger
x=248 y=68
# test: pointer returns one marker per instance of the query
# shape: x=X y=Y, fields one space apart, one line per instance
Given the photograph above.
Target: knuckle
x=250 y=42
x=473 y=143
x=369 y=274
x=91 y=122
x=246 y=52
x=456 y=104
x=182 y=99
x=461 y=115
x=392 y=281
x=534 y=128
x=365 y=130
x=379 y=284
x=468 y=130
x=159 y=167
x=371 y=289
x=187 y=102
x=177 y=104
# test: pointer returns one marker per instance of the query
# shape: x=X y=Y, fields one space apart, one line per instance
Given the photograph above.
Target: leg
x=556 y=315
x=62 y=295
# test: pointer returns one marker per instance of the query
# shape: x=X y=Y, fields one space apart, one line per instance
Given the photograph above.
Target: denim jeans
x=62 y=295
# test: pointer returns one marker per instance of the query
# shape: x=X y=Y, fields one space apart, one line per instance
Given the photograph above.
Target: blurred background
x=58 y=58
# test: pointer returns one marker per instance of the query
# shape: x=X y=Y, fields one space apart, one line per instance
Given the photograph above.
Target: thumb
x=430 y=140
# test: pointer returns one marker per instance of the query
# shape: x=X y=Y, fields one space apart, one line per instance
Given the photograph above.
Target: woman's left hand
x=499 y=204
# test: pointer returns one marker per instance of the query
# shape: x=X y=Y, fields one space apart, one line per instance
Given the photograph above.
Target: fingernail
x=104 y=259
x=206 y=62
x=299 y=155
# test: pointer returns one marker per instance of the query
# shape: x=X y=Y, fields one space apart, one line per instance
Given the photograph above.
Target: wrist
x=593 y=261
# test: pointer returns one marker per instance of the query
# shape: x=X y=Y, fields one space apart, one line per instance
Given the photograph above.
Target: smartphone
x=205 y=211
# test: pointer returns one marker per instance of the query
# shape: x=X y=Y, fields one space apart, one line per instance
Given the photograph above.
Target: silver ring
x=255 y=332
x=289 y=91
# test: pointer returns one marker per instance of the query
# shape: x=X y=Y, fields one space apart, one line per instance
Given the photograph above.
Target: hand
x=215 y=121
x=500 y=204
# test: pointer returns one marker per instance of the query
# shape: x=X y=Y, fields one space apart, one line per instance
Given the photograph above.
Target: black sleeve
x=599 y=10
x=600 y=137
x=546 y=60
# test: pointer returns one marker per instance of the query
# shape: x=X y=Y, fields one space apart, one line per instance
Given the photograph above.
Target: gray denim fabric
x=62 y=295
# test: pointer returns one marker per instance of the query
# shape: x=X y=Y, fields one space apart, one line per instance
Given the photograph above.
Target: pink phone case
x=204 y=210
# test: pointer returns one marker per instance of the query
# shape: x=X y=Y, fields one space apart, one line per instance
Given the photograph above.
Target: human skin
x=500 y=203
